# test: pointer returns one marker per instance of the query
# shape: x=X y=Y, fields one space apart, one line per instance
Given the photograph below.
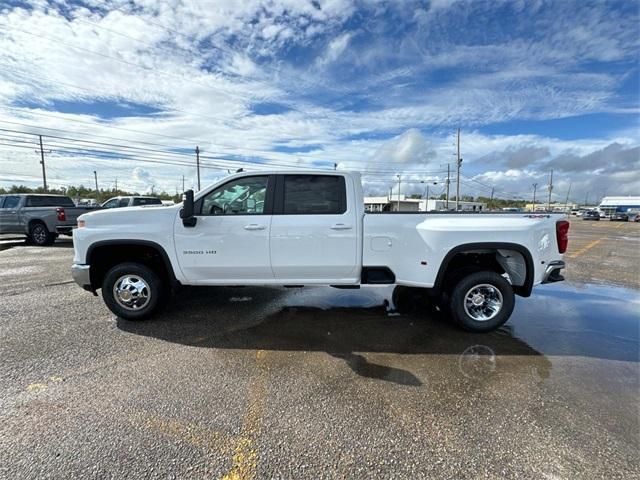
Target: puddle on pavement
x=561 y=319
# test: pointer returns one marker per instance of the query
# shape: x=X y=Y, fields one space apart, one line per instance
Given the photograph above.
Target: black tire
x=155 y=291
x=39 y=234
x=469 y=318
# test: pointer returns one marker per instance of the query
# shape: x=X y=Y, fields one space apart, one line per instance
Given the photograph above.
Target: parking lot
x=243 y=383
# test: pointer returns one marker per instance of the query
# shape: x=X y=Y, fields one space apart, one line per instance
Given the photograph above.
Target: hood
x=128 y=215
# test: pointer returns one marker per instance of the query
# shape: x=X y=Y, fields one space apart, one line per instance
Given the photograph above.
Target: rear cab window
x=49 y=201
x=146 y=201
x=314 y=195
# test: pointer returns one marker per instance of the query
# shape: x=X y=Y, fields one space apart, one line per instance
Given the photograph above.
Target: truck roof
x=37 y=195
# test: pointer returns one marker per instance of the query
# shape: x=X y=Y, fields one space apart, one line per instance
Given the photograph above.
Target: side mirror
x=186 y=214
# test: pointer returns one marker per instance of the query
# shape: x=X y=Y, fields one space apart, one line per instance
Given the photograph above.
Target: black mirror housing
x=186 y=214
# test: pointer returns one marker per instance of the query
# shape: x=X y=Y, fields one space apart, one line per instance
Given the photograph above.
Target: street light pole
x=458 y=176
x=95 y=176
x=198 y=164
x=550 y=190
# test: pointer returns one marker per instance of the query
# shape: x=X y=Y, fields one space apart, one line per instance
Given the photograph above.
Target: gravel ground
x=244 y=383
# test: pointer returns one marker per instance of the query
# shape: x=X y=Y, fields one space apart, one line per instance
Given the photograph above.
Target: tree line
x=78 y=192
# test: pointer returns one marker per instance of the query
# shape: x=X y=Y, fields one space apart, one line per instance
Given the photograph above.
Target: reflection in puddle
x=477 y=361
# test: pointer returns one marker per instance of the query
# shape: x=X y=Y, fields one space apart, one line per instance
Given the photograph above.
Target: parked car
x=87 y=202
x=133 y=201
x=619 y=217
x=591 y=215
x=41 y=217
x=302 y=228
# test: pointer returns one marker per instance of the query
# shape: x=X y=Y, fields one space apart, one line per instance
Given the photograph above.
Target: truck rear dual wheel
x=40 y=235
x=481 y=301
x=132 y=291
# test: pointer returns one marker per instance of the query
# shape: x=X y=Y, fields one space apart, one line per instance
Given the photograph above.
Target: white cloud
x=205 y=66
x=335 y=49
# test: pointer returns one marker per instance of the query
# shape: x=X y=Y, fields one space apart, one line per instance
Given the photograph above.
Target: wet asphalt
x=245 y=383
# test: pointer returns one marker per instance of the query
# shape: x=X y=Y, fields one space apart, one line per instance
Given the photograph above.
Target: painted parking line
x=245 y=452
x=587 y=247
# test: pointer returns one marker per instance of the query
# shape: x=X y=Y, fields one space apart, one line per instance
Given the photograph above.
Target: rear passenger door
x=314 y=234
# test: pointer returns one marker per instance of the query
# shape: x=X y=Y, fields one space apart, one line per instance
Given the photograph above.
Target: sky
x=129 y=88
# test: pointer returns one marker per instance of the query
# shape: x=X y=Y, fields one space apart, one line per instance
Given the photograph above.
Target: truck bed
x=417 y=243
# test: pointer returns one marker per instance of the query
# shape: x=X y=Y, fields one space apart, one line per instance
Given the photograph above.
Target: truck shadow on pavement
x=344 y=324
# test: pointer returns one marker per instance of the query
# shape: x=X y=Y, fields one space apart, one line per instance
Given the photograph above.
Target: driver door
x=230 y=241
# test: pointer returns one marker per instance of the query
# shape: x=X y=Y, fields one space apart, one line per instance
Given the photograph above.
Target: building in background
x=609 y=205
x=555 y=207
x=404 y=204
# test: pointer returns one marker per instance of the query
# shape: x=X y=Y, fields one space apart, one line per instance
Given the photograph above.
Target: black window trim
x=268 y=199
x=278 y=208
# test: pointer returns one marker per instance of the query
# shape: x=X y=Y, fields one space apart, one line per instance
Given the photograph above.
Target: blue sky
x=378 y=87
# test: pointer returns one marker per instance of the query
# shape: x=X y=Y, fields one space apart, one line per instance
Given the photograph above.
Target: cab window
x=146 y=201
x=11 y=201
x=124 y=202
x=244 y=196
x=314 y=195
x=113 y=203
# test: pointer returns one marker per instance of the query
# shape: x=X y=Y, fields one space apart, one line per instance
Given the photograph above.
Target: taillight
x=61 y=215
x=562 y=235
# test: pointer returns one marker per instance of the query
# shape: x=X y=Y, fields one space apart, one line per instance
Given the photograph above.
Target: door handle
x=254 y=226
x=340 y=226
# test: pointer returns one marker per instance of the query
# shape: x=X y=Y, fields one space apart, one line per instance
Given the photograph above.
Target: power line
x=157 y=151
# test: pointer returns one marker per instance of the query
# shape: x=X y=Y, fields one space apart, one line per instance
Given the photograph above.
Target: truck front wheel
x=482 y=301
x=132 y=291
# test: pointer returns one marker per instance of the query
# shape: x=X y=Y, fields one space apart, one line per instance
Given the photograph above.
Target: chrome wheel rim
x=132 y=292
x=39 y=234
x=483 y=302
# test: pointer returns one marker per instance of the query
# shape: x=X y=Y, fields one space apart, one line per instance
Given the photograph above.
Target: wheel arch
x=105 y=254
x=448 y=264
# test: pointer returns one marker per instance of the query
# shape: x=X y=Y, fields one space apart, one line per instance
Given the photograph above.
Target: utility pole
x=44 y=173
x=399 y=192
x=586 y=199
x=182 y=183
x=566 y=202
x=198 y=164
x=491 y=201
x=550 y=190
x=535 y=187
x=458 y=177
x=448 y=182
x=95 y=175
x=116 y=184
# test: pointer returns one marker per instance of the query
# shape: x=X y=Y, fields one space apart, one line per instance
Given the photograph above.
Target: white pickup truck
x=296 y=228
